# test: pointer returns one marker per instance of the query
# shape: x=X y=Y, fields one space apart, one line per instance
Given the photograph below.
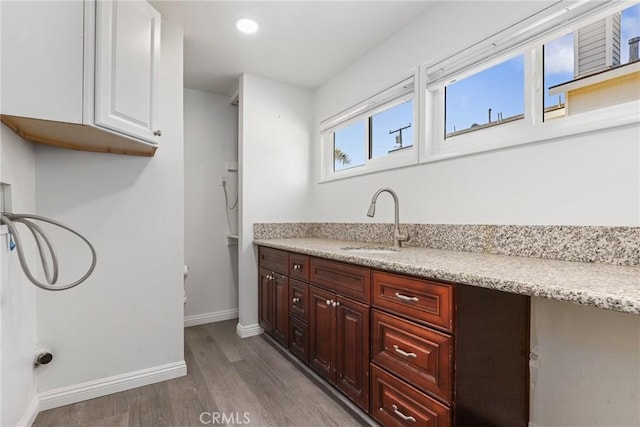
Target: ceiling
x=303 y=43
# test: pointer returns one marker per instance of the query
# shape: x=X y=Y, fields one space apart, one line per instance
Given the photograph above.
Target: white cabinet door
x=127 y=61
x=42 y=56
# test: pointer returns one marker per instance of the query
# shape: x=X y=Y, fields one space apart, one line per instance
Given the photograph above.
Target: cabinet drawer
x=346 y=279
x=274 y=259
x=299 y=299
x=299 y=267
x=415 y=353
x=422 y=300
x=396 y=403
x=299 y=339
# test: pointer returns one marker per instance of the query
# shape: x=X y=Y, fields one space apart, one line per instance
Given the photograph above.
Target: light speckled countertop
x=605 y=286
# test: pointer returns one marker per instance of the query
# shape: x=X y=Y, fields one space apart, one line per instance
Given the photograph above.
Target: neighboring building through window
x=593 y=67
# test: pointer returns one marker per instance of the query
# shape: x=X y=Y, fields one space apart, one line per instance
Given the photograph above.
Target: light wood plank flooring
x=226 y=374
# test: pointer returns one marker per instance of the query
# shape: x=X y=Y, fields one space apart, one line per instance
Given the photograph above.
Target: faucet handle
x=401 y=237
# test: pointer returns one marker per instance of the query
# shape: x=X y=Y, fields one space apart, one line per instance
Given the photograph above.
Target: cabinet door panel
x=42 y=58
x=299 y=339
x=352 y=340
x=281 y=309
x=322 y=352
x=127 y=63
x=265 y=306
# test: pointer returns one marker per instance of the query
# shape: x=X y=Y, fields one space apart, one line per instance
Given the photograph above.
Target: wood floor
x=227 y=375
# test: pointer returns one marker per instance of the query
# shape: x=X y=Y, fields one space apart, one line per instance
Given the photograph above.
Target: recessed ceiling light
x=246 y=25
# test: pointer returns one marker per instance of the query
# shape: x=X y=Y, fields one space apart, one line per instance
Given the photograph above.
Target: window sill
x=514 y=135
x=394 y=161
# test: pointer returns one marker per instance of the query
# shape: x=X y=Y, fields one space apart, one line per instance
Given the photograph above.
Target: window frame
x=384 y=100
x=532 y=128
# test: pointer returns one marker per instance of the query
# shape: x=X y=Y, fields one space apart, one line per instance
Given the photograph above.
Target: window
x=392 y=130
x=491 y=97
x=348 y=151
x=376 y=134
x=594 y=66
x=573 y=70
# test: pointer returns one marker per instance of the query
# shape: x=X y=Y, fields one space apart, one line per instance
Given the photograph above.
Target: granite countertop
x=604 y=286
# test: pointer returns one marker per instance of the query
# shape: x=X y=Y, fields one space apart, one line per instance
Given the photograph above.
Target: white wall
x=592 y=179
x=590 y=370
x=18 y=388
x=274 y=154
x=18 y=399
x=210 y=140
x=128 y=316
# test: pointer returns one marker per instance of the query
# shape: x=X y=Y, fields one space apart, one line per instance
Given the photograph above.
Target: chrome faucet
x=398 y=238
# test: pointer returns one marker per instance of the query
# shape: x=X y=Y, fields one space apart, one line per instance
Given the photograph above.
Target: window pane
x=349 y=146
x=558 y=68
x=489 y=98
x=592 y=67
x=392 y=130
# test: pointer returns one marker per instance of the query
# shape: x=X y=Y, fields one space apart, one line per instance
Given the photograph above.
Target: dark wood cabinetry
x=339 y=349
x=322 y=323
x=345 y=279
x=422 y=356
x=274 y=303
x=396 y=403
x=448 y=354
x=352 y=350
x=273 y=309
x=409 y=351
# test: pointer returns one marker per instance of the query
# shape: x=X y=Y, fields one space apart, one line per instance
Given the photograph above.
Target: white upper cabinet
x=127 y=58
x=82 y=74
x=42 y=69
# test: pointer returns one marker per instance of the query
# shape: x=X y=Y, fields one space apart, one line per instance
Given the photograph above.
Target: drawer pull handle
x=297 y=266
x=329 y=301
x=404 y=353
x=401 y=415
x=406 y=298
x=295 y=300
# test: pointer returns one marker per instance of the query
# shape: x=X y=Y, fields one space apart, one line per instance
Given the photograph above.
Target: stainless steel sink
x=371 y=250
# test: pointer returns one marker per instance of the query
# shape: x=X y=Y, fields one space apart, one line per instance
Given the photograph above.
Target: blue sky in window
x=350 y=140
x=389 y=120
x=630 y=29
x=499 y=88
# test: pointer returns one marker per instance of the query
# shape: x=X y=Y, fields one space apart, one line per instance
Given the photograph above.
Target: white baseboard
x=92 y=389
x=218 y=316
x=248 y=331
x=30 y=413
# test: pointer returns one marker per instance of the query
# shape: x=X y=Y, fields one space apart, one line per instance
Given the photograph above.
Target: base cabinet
x=273 y=294
x=352 y=350
x=408 y=351
x=339 y=350
x=274 y=300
